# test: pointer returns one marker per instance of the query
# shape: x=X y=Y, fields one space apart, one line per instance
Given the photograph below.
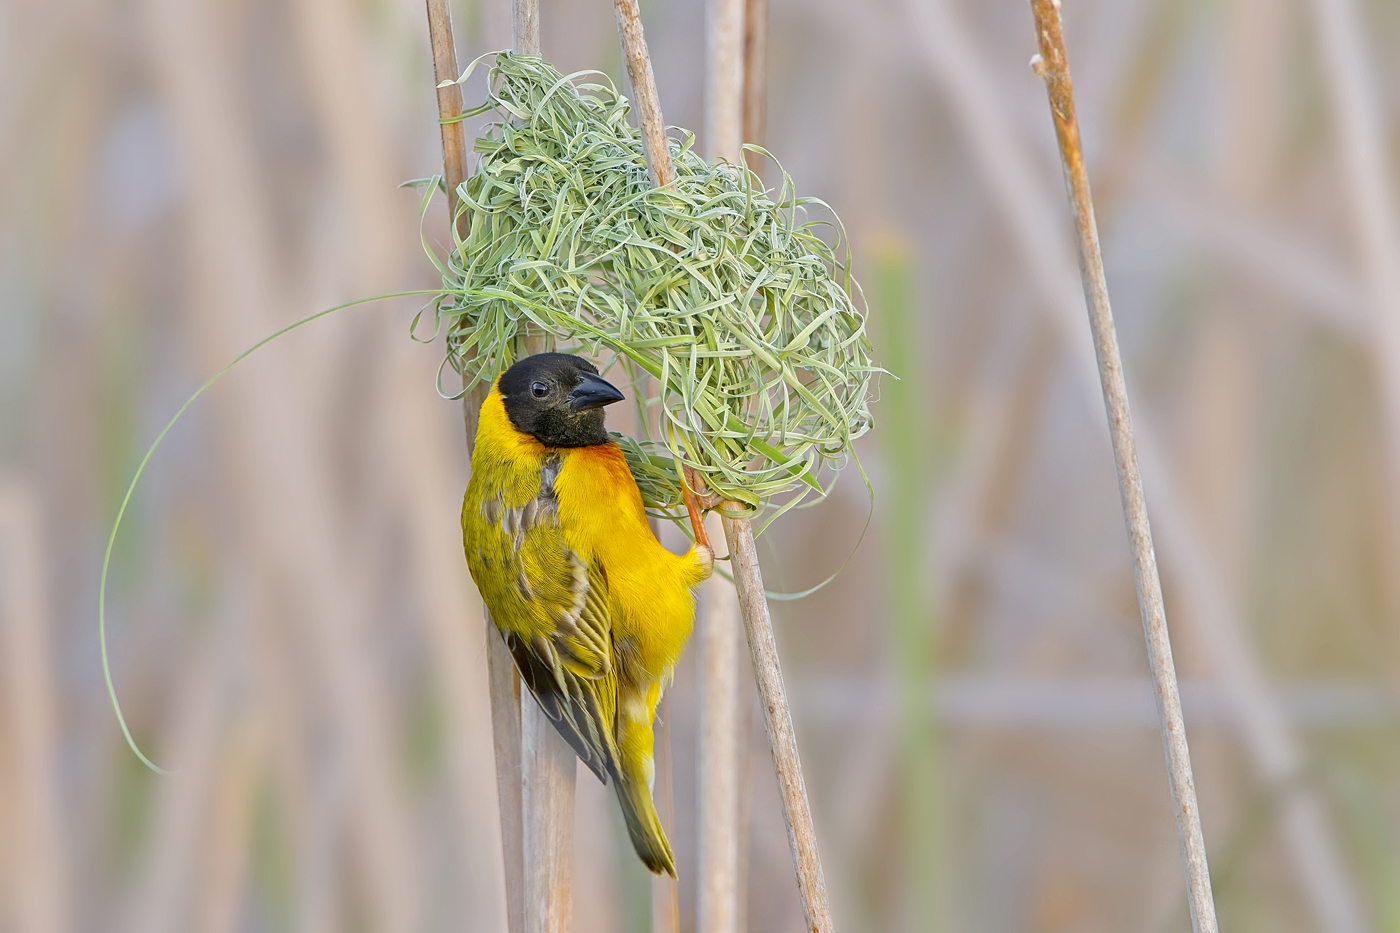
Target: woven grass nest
x=747 y=322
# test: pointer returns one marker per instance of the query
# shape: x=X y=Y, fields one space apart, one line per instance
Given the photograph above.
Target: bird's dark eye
x=539 y=390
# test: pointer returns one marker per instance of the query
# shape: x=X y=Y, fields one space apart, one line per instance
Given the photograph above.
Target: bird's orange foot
x=691 y=491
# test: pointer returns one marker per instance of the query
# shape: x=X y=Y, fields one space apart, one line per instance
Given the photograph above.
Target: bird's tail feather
x=643 y=825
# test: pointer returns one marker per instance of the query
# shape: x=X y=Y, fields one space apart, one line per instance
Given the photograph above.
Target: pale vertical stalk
x=753 y=603
x=535 y=767
x=505 y=688
x=547 y=801
x=548 y=766
x=755 y=131
x=724 y=79
x=548 y=770
x=755 y=71
x=525 y=39
x=717 y=882
x=503 y=684
x=525 y=26
x=41 y=894
x=1053 y=65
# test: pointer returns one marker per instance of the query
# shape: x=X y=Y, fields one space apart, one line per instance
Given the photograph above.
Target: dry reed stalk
x=525 y=26
x=503 y=683
x=724 y=79
x=753 y=602
x=449 y=98
x=41 y=894
x=755 y=73
x=535 y=768
x=548 y=772
x=717 y=881
x=717 y=876
x=953 y=60
x=755 y=131
x=665 y=890
x=777 y=717
x=548 y=769
x=548 y=766
x=1052 y=64
x=643 y=80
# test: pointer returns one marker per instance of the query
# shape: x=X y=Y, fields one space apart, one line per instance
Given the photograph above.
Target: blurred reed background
x=293 y=628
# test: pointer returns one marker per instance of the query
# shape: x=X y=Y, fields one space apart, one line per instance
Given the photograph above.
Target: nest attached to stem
x=722 y=292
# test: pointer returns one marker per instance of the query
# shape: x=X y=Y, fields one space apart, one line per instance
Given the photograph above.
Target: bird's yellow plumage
x=595 y=610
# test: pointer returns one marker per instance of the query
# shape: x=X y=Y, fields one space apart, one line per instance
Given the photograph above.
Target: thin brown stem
x=534 y=766
x=449 y=97
x=777 y=718
x=951 y=56
x=634 y=49
x=1052 y=64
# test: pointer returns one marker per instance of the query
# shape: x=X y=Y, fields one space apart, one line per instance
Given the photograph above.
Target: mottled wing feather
x=552 y=609
x=582 y=710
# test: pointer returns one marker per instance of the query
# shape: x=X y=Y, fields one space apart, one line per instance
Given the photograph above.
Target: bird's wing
x=552 y=608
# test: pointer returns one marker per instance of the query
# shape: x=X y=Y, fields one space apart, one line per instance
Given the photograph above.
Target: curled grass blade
x=131 y=491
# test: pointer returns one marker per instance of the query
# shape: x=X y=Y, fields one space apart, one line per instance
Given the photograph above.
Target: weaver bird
x=594 y=609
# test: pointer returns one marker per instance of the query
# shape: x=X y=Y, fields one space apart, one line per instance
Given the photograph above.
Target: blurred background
x=292 y=626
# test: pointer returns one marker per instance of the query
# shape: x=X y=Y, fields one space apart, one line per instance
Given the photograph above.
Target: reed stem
x=717 y=887
x=1052 y=64
x=535 y=768
x=777 y=718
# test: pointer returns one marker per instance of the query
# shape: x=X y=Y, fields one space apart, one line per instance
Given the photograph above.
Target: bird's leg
x=692 y=483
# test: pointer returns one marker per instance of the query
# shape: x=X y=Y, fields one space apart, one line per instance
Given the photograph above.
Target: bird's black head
x=558 y=399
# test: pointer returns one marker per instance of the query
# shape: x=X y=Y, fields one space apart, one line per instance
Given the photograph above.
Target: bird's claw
x=709 y=500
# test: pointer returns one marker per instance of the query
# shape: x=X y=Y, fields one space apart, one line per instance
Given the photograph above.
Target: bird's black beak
x=593 y=392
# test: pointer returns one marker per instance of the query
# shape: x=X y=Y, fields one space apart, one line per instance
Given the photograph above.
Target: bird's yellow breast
x=604 y=522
